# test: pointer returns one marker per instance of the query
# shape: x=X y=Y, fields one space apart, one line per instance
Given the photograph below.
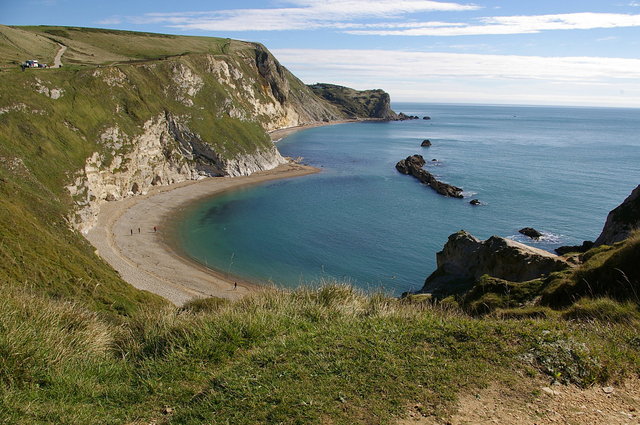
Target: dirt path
x=57 y=61
x=125 y=238
x=537 y=403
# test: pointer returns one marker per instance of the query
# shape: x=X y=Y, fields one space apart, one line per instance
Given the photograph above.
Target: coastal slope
x=127 y=112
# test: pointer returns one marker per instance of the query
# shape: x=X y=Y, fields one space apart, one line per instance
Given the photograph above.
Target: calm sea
x=559 y=170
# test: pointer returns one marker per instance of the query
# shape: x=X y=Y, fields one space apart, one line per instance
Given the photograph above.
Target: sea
x=559 y=170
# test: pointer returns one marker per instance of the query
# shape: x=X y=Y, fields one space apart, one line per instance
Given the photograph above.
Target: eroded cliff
x=132 y=123
x=357 y=103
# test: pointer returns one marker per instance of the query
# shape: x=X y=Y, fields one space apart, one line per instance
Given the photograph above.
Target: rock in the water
x=622 y=220
x=474 y=202
x=530 y=232
x=413 y=165
x=465 y=258
x=426 y=118
x=404 y=117
x=426 y=143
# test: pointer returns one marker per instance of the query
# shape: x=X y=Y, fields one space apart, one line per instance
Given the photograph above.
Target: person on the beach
x=131 y=232
x=235 y=285
x=138 y=230
x=154 y=229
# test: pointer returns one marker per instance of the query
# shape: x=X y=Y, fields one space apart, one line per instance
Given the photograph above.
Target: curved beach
x=124 y=237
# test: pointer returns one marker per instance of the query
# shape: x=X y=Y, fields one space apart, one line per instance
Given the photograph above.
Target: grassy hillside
x=311 y=356
x=94 y=46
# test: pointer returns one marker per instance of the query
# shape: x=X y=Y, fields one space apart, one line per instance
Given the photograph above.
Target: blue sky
x=564 y=52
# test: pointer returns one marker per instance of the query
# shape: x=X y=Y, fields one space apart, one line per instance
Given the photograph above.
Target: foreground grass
x=329 y=355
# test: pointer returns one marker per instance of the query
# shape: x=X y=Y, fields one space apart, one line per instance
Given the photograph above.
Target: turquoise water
x=559 y=170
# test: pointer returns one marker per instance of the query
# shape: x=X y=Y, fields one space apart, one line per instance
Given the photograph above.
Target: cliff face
x=210 y=120
x=120 y=128
x=622 y=220
x=357 y=104
x=464 y=259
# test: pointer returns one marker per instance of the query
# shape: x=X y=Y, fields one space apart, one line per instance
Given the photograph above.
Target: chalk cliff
x=206 y=115
x=161 y=119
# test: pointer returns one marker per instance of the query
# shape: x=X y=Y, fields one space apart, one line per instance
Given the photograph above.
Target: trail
x=57 y=61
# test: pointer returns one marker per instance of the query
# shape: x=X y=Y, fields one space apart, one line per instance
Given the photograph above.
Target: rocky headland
x=357 y=103
x=499 y=272
x=622 y=220
x=412 y=165
x=464 y=259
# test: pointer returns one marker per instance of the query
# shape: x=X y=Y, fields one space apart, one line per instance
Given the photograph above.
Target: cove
x=559 y=170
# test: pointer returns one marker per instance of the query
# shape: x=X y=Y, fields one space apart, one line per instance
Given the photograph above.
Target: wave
x=546 y=238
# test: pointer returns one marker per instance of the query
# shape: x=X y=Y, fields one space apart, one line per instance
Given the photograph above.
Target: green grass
x=95 y=46
x=607 y=271
x=330 y=355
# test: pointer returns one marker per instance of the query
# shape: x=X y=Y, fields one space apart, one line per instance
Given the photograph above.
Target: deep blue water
x=559 y=170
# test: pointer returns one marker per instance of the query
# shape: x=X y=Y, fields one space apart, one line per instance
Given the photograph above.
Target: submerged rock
x=474 y=202
x=426 y=118
x=530 y=232
x=412 y=165
x=464 y=259
x=426 y=143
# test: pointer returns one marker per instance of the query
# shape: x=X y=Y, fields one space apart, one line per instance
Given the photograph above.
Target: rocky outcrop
x=426 y=143
x=622 y=220
x=404 y=117
x=567 y=249
x=357 y=104
x=412 y=165
x=464 y=259
x=166 y=152
x=530 y=232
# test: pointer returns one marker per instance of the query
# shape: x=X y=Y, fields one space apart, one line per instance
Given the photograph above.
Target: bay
x=557 y=169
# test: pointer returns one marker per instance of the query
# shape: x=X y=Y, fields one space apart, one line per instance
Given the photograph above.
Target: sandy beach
x=125 y=238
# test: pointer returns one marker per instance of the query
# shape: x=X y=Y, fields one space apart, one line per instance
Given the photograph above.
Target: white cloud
x=114 y=20
x=459 y=77
x=501 y=25
x=301 y=15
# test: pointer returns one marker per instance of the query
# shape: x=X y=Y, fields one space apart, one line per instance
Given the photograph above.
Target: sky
x=540 y=52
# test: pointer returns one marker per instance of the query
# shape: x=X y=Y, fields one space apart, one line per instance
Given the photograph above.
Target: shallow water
x=559 y=170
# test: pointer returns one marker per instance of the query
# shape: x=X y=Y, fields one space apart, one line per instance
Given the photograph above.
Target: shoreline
x=277 y=135
x=124 y=237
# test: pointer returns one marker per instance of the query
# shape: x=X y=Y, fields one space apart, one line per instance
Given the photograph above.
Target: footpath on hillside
x=57 y=61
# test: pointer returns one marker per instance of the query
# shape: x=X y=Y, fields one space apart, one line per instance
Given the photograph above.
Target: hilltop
x=130 y=111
